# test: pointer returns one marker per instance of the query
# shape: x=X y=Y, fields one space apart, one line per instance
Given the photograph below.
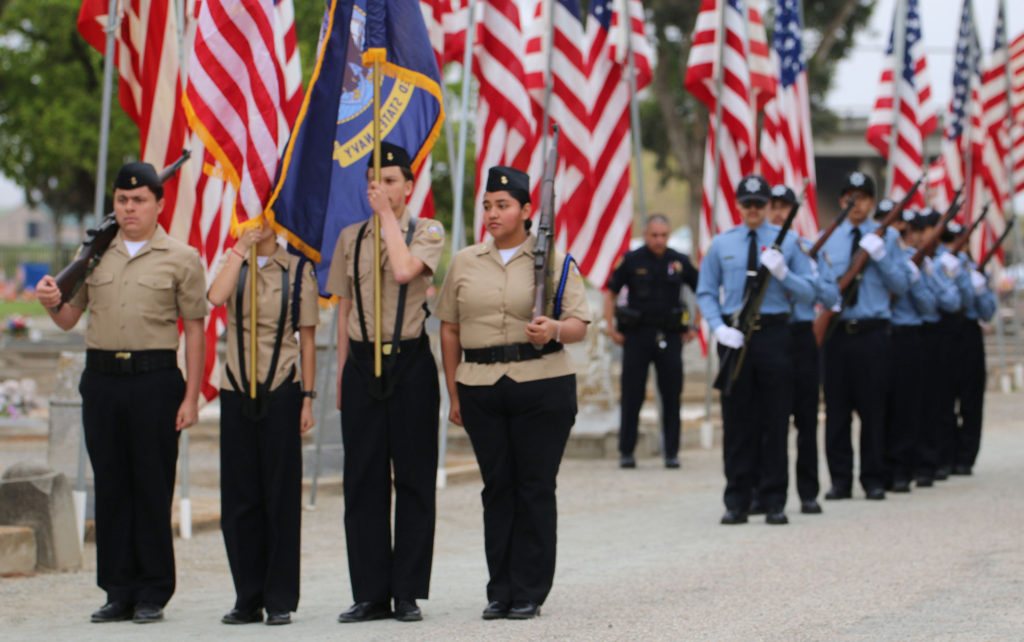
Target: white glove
x=915 y=273
x=874 y=245
x=729 y=337
x=979 y=281
x=929 y=266
x=951 y=264
x=775 y=262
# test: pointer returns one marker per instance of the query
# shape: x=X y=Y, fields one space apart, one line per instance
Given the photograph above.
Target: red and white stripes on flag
x=446 y=22
x=787 y=150
x=506 y=130
x=149 y=89
x=916 y=118
x=993 y=139
x=1016 y=55
x=747 y=84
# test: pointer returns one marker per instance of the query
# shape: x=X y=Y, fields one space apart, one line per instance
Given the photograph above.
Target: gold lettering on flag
x=361 y=144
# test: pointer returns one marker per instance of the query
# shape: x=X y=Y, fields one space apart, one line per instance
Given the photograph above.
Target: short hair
x=656 y=218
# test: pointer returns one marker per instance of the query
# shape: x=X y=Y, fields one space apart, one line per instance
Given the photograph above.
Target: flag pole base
x=1018 y=375
x=79 y=497
x=1005 y=384
x=707 y=435
x=186 y=518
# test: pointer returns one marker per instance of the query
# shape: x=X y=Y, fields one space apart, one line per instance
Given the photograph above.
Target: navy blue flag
x=322 y=183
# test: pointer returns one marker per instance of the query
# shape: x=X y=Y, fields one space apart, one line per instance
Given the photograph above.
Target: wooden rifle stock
x=929 y=244
x=97 y=240
x=824 y=323
x=543 y=251
x=813 y=252
x=960 y=242
x=996 y=245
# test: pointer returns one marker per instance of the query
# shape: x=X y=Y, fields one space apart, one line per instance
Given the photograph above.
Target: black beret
x=858 y=180
x=931 y=217
x=784 y=193
x=508 y=179
x=753 y=187
x=138 y=174
x=883 y=208
x=391 y=155
x=921 y=221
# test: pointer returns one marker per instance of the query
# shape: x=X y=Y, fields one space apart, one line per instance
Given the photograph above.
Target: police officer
x=857 y=351
x=388 y=422
x=260 y=441
x=513 y=386
x=755 y=414
x=806 y=363
x=134 y=400
x=651 y=327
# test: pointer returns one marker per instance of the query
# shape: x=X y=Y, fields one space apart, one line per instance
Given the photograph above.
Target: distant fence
x=11 y=256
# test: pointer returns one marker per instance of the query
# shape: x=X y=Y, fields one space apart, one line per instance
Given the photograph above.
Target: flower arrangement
x=17 y=326
x=17 y=398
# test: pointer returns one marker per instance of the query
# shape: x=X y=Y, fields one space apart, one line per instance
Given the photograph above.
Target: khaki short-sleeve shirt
x=492 y=303
x=268 y=313
x=134 y=302
x=426 y=245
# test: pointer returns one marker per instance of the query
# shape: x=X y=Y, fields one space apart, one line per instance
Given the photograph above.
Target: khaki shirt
x=492 y=303
x=426 y=245
x=134 y=302
x=268 y=312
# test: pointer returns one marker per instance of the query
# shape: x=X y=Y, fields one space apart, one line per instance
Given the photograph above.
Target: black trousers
x=519 y=431
x=971 y=394
x=936 y=394
x=806 y=396
x=260 y=498
x=133 y=445
x=755 y=420
x=400 y=434
x=951 y=387
x=903 y=416
x=640 y=349
x=856 y=379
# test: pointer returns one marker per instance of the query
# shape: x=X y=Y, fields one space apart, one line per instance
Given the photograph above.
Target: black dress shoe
x=924 y=482
x=113 y=612
x=901 y=486
x=961 y=469
x=942 y=473
x=407 y=611
x=756 y=508
x=523 y=610
x=838 y=493
x=277 y=619
x=810 y=507
x=365 y=612
x=495 y=611
x=238 y=616
x=734 y=517
x=673 y=462
x=627 y=461
x=776 y=517
x=146 y=613
x=875 y=493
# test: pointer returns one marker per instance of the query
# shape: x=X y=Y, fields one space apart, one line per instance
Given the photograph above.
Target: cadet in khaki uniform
x=260 y=443
x=388 y=422
x=513 y=387
x=134 y=400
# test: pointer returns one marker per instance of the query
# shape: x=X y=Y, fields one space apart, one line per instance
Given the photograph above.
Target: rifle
x=858 y=263
x=995 y=246
x=745 y=319
x=961 y=241
x=928 y=244
x=97 y=240
x=543 y=251
x=812 y=253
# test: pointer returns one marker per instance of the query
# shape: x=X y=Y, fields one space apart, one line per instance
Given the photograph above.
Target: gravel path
x=641 y=556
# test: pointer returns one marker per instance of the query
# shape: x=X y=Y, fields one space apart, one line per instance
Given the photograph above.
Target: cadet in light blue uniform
x=755 y=414
x=857 y=350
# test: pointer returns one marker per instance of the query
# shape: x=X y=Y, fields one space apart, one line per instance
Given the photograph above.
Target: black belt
x=363 y=350
x=906 y=329
x=801 y=326
x=511 y=352
x=769 y=320
x=856 y=326
x=125 y=362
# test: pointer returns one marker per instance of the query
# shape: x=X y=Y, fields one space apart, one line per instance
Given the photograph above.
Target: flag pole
x=549 y=42
x=899 y=48
x=458 y=225
x=378 y=56
x=707 y=429
x=634 y=110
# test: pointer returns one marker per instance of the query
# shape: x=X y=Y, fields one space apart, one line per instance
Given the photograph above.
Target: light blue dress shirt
x=947 y=297
x=826 y=291
x=880 y=280
x=723 y=274
x=984 y=305
x=910 y=307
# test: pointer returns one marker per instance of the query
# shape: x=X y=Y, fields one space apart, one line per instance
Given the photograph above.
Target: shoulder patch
x=574 y=270
x=435 y=231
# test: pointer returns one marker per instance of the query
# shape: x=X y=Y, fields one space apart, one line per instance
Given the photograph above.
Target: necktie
x=854 y=246
x=751 y=264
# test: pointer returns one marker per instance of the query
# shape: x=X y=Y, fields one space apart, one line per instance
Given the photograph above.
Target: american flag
x=604 y=234
x=149 y=89
x=748 y=84
x=446 y=22
x=787 y=152
x=1016 y=57
x=506 y=130
x=916 y=118
x=993 y=138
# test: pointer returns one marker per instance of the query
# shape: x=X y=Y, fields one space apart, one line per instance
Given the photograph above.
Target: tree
x=50 y=107
x=675 y=123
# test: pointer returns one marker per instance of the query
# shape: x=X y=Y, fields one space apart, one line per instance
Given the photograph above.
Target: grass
x=23 y=308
